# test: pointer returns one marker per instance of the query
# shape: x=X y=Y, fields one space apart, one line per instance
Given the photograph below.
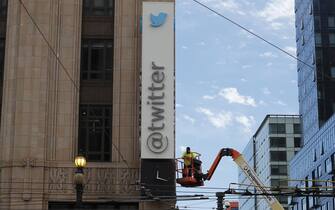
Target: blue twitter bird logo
x=159 y=20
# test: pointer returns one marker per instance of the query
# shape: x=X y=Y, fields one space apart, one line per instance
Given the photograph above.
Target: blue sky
x=228 y=80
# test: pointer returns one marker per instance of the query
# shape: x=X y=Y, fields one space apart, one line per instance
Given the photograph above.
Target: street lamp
x=80 y=163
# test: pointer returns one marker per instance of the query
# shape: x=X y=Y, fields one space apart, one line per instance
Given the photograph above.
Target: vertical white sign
x=158 y=81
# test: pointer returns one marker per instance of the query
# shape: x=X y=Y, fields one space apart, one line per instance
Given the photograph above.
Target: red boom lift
x=193 y=176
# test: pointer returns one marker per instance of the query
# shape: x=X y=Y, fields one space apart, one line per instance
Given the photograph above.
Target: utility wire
x=252 y=33
x=66 y=186
x=49 y=45
x=63 y=66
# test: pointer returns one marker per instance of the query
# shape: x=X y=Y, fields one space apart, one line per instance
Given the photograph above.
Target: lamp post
x=80 y=163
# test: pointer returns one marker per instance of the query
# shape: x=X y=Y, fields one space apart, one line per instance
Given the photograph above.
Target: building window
x=328 y=185
x=278 y=182
x=278 y=156
x=95 y=126
x=314 y=176
x=318 y=56
x=97 y=59
x=316 y=5
x=329 y=166
x=332 y=38
x=331 y=21
x=303 y=204
x=277 y=128
x=319 y=169
x=3 y=8
x=98 y=8
x=323 y=207
x=317 y=22
x=333 y=161
x=297 y=142
x=332 y=71
x=318 y=39
x=282 y=199
x=278 y=170
x=277 y=142
x=296 y=128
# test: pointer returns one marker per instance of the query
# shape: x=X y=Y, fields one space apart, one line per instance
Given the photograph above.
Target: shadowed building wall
x=50 y=114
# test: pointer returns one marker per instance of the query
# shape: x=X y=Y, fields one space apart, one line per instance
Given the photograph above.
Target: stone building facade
x=61 y=95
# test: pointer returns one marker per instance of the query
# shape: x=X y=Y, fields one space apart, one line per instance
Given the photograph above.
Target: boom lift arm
x=248 y=171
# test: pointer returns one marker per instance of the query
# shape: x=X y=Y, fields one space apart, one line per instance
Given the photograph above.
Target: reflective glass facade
x=315 y=36
x=268 y=152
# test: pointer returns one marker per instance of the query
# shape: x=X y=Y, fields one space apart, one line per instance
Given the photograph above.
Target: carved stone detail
x=59 y=179
x=107 y=181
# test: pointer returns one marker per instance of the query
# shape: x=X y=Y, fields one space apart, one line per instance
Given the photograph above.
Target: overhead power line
x=49 y=45
x=252 y=33
x=63 y=67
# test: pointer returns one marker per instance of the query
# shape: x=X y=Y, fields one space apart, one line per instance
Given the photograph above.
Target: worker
x=188 y=157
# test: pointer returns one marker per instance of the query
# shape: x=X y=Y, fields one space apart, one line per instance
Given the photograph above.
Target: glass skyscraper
x=315 y=37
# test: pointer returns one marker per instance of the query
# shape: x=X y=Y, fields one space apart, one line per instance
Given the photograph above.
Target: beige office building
x=70 y=79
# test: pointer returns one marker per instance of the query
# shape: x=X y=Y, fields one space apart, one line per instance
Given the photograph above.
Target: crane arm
x=223 y=152
x=248 y=171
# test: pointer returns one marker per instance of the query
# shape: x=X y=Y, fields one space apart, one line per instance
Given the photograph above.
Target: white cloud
x=246 y=121
x=185 y=3
x=184 y=47
x=243 y=80
x=268 y=55
x=281 y=103
x=262 y=103
x=276 y=10
x=218 y=120
x=291 y=50
x=233 y=96
x=189 y=118
x=247 y=34
x=246 y=66
x=205 y=111
x=225 y=5
x=208 y=97
x=266 y=91
x=277 y=25
x=182 y=148
x=278 y=13
x=223 y=119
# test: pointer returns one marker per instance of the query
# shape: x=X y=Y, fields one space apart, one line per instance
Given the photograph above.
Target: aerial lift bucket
x=189 y=176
